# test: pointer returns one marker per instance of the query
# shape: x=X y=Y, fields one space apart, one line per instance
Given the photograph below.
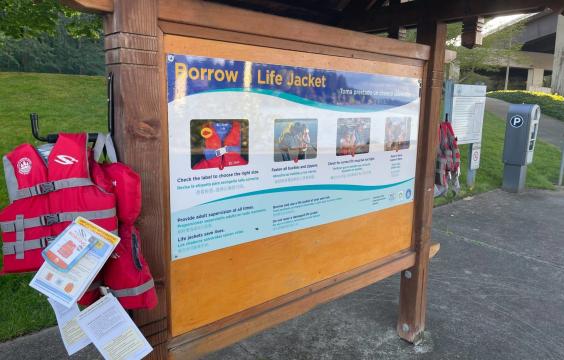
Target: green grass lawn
x=551 y=105
x=77 y=103
x=64 y=103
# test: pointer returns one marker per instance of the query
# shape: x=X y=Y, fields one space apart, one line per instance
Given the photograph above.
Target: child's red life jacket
x=45 y=196
x=448 y=155
x=126 y=274
x=218 y=153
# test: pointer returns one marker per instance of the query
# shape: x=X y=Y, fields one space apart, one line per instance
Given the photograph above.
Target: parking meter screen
x=258 y=150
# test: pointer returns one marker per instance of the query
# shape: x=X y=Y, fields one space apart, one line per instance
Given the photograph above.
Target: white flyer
x=112 y=331
x=67 y=287
x=73 y=337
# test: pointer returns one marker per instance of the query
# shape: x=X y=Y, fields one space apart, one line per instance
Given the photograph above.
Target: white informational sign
x=112 y=331
x=468 y=105
x=475 y=156
x=67 y=287
x=258 y=150
x=73 y=337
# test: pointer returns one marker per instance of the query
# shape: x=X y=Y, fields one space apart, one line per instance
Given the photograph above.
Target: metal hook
x=110 y=98
x=50 y=138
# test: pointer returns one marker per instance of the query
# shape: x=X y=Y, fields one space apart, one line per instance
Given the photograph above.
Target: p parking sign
x=516 y=121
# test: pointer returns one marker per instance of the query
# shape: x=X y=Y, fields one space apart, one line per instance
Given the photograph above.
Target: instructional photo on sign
x=219 y=143
x=398 y=133
x=295 y=139
x=353 y=136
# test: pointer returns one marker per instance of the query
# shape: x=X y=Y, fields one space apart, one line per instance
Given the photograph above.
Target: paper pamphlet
x=69 y=247
x=73 y=337
x=67 y=287
x=112 y=331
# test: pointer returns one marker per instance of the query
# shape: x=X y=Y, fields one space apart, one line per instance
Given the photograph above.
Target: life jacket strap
x=134 y=291
x=50 y=186
x=19 y=246
x=213 y=153
x=12 y=248
x=51 y=219
x=104 y=141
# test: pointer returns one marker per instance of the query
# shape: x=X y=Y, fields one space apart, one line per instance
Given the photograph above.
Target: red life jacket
x=346 y=148
x=45 y=196
x=219 y=154
x=126 y=274
x=448 y=156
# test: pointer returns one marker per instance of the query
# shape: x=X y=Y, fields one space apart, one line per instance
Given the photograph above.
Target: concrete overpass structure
x=543 y=50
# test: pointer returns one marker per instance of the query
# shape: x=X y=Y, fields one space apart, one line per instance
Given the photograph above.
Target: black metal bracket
x=92 y=137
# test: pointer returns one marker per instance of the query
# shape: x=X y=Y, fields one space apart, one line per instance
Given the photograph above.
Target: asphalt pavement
x=495 y=292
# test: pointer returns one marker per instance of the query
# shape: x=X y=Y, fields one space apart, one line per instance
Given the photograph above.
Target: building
x=540 y=65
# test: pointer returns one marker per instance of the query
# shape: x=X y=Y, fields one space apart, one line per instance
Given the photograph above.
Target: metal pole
x=508 y=65
x=470 y=173
x=561 y=166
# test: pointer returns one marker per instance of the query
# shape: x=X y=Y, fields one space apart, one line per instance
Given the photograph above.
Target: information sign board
x=257 y=150
x=468 y=105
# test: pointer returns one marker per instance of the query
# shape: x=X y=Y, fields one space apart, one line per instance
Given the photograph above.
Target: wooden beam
x=200 y=32
x=408 y=14
x=396 y=31
x=132 y=54
x=281 y=8
x=359 y=7
x=472 y=32
x=413 y=288
x=217 y=16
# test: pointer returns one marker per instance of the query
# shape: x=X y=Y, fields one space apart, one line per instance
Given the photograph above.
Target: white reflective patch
x=65 y=160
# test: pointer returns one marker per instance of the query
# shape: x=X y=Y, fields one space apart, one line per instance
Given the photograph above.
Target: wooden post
x=396 y=31
x=132 y=54
x=413 y=289
x=472 y=32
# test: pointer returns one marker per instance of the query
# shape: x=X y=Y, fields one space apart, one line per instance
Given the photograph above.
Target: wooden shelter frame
x=135 y=32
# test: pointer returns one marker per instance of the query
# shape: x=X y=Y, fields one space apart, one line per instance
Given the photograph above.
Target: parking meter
x=520 y=138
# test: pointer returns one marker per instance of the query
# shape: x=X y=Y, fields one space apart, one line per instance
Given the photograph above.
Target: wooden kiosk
x=214 y=299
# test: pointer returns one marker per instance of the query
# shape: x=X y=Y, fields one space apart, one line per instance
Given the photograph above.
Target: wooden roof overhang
x=368 y=16
x=360 y=15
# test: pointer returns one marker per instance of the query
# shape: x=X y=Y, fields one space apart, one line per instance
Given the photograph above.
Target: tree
x=21 y=19
x=497 y=50
x=44 y=36
x=55 y=53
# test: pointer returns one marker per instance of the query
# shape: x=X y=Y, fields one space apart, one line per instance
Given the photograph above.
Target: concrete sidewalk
x=495 y=292
x=551 y=130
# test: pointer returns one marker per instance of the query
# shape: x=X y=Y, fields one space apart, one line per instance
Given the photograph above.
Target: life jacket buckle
x=50 y=219
x=45 y=188
x=221 y=151
x=46 y=240
x=104 y=290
